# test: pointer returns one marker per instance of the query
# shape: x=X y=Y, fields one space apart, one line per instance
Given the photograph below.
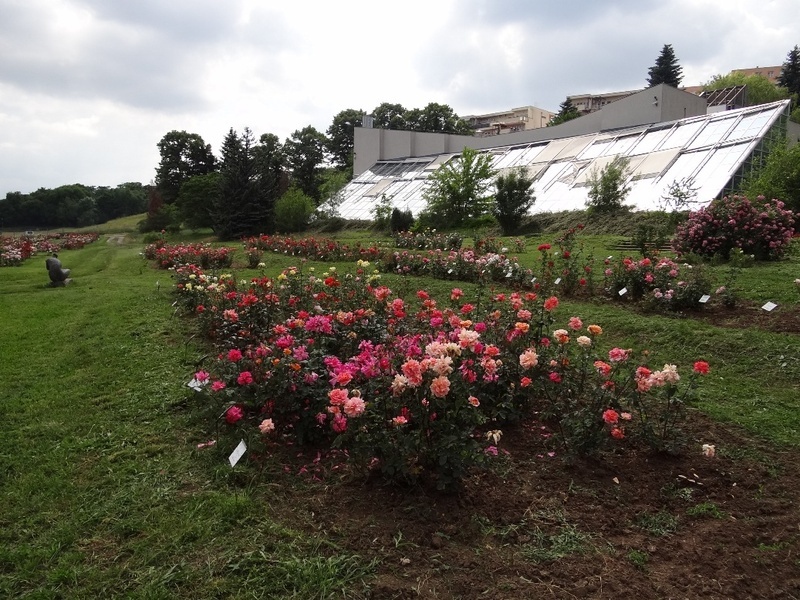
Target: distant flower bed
x=14 y=250
x=322 y=249
x=169 y=256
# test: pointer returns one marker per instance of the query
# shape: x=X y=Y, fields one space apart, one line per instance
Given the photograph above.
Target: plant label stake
x=237 y=453
x=704 y=298
x=770 y=306
x=623 y=291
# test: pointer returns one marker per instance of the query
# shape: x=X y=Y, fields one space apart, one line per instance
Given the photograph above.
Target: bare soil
x=629 y=524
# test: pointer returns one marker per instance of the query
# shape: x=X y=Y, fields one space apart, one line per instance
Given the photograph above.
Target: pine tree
x=790 y=72
x=666 y=70
x=566 y=112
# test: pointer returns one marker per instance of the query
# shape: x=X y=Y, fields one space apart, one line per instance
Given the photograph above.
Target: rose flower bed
x=415 y=389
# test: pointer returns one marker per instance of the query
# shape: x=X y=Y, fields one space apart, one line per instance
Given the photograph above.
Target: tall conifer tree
x=666 y=70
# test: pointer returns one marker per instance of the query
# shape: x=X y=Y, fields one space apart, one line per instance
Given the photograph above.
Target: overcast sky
x=89 y=87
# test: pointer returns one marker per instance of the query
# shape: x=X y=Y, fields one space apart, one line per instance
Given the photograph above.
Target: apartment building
x=509 y=121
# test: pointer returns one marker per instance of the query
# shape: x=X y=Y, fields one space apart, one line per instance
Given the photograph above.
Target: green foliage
x=760 y=90
x=513 y=199
x=608 y=187
x=340 y=138
x=196 y=199
x=779 y=177
x=251 y=179
x=333 y=183
x=666 y=70
x=293 y=211
x=382 y=212
x=638 y=559
x=401 y=220
x=305 y=154
x=790 y=72
x=459 y=190
x=657 y=524
x=566 y=112
x=183 y=156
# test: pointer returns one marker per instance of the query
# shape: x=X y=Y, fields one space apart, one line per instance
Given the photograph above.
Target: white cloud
x=89 y=87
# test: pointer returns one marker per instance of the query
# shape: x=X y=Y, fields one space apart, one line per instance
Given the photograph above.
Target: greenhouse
x=708 y=155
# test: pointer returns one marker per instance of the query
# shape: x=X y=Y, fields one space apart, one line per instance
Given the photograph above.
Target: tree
x=340 y=138
x=759 y=89
x=436 y=118
x=566 y=112
x=790 y=72
x=183 y=155
x=197 y=198
x=458 y=189
x=240 y=209
x=293 y=210
x=389 y=116
x=666 y=70
x=778 y=178
x=305 y=153
x=273 y=178
x=513 y=199
x=608 y=187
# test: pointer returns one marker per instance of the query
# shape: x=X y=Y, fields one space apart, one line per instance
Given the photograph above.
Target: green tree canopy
x=778 y=178
x=790 y=72
x=305 y=155
x=389 y=116
x=566 y=112
x=197 y=199
x=459 y=189
x=513 y=198
x=666 y=70
x=241 y=208
x=183 y=155
x=759 y=89
x=340 y=138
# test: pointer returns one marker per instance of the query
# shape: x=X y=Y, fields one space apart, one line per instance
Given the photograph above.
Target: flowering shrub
x=168 y=256
x=322 y=249
x=565 y=268
x=428 y=239
x=414 y=388
x=661 y=282
x=763 y=229
x=462 y=265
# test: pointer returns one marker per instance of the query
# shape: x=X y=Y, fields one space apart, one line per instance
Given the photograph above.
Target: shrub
x=763 y=229
x=293 y=210
x=513 y=199
x=401 y=220
x=608 y=187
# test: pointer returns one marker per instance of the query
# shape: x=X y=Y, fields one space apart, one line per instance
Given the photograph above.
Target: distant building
x=510 y=121
x=589 y=103
x=771 y=73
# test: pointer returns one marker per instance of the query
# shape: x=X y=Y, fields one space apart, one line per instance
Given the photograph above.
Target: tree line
x=72 y=205
x=262 y=185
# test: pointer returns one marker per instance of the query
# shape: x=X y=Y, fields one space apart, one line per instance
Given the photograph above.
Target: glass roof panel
x=651 y=140
x=681 y=134
x=712 y=133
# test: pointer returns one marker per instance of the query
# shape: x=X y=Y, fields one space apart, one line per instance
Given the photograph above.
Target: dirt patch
x=116 y=238
x=630 y=524
x=783 y=319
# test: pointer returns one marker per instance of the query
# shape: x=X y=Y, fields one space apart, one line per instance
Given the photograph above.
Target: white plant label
x=237 y=453
x=557 y=281
x=770 y=306
x=623 y=291
x=704 y=298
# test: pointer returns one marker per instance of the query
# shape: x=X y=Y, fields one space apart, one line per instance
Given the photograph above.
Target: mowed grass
x=103 y=491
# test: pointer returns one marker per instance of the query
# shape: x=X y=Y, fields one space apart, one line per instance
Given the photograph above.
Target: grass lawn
x=104 y=493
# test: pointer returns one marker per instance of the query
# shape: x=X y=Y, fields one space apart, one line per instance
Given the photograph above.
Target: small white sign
x=237 y=453
x=770 y=306
x=450 y=271
x=609 y=258
x=557 y=281
x=508 y=274
x=623 y=291
x=533 y=280
x=704 y=298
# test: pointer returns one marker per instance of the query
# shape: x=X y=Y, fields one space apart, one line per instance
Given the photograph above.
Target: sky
x=89 y=87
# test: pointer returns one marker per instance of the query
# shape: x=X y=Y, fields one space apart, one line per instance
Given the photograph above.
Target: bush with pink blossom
x=761 y=228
